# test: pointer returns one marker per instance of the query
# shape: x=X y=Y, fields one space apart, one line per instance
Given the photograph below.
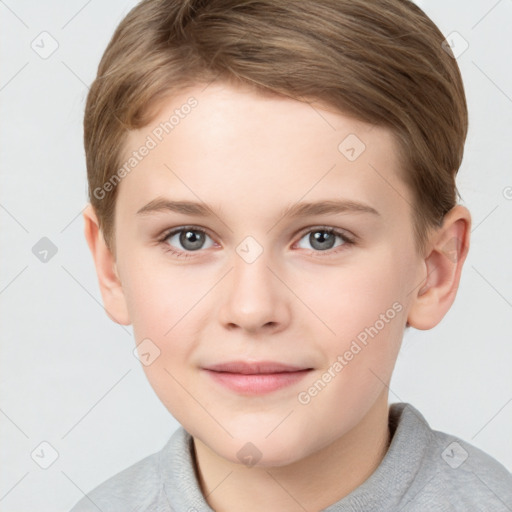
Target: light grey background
x=68 y=375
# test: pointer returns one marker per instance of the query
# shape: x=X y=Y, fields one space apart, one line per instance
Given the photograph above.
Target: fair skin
x=299 y=302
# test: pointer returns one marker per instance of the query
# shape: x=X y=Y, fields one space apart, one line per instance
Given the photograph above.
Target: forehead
x=233 y=146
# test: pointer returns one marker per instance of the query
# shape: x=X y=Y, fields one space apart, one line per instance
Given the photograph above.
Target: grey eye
x=189 y=239
x=322 y=239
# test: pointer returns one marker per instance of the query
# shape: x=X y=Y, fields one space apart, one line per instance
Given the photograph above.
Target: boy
x=226 y=142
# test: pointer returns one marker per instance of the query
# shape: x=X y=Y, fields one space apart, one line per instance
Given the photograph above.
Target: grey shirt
x=423 y=470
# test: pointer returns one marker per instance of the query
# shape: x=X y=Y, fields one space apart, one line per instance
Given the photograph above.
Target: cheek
x=161 y=310
x=351 y=298
x=363 y=316
x=164 y=304
x=364 y=307
x=159 y=297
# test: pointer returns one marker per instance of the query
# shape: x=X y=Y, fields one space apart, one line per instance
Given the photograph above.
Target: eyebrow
x=295 y=210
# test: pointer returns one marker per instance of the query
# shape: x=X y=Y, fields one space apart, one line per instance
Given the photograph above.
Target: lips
x=255 y=378
x=248 y=368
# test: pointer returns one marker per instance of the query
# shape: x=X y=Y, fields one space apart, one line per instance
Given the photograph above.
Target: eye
x=188 y=239
x=323 y=239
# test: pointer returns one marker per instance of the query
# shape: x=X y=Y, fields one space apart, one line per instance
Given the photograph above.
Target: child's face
x=261 y=286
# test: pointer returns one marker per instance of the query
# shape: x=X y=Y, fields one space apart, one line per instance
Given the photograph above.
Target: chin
x=256 y=451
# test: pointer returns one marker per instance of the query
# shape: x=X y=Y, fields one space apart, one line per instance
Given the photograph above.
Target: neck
x=312 y=483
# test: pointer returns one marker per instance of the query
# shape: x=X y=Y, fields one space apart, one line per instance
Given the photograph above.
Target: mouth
x=255 y=378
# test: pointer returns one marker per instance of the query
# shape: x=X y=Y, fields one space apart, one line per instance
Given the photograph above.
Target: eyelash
x=187 y=254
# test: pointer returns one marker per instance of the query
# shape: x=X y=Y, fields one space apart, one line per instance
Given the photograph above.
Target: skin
x=250 y=156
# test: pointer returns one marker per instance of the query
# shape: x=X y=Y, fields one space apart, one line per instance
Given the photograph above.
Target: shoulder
x=136 y=488
x=454 y=474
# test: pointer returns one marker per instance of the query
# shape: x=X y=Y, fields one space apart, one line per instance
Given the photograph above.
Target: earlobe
x=442 y=270
x=111 y=289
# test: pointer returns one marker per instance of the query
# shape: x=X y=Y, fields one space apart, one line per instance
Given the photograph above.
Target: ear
x=447 y=252
x=110 y=285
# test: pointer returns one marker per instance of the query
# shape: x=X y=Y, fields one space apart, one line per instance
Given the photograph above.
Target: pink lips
x=255 y=378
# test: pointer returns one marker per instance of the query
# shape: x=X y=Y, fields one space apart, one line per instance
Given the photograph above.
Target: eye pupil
x=191 y=240
x=318 y=239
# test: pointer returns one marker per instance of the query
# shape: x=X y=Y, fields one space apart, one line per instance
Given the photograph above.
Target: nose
x=254 y=299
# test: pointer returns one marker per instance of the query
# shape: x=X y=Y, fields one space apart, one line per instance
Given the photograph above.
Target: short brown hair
x=380 y=61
